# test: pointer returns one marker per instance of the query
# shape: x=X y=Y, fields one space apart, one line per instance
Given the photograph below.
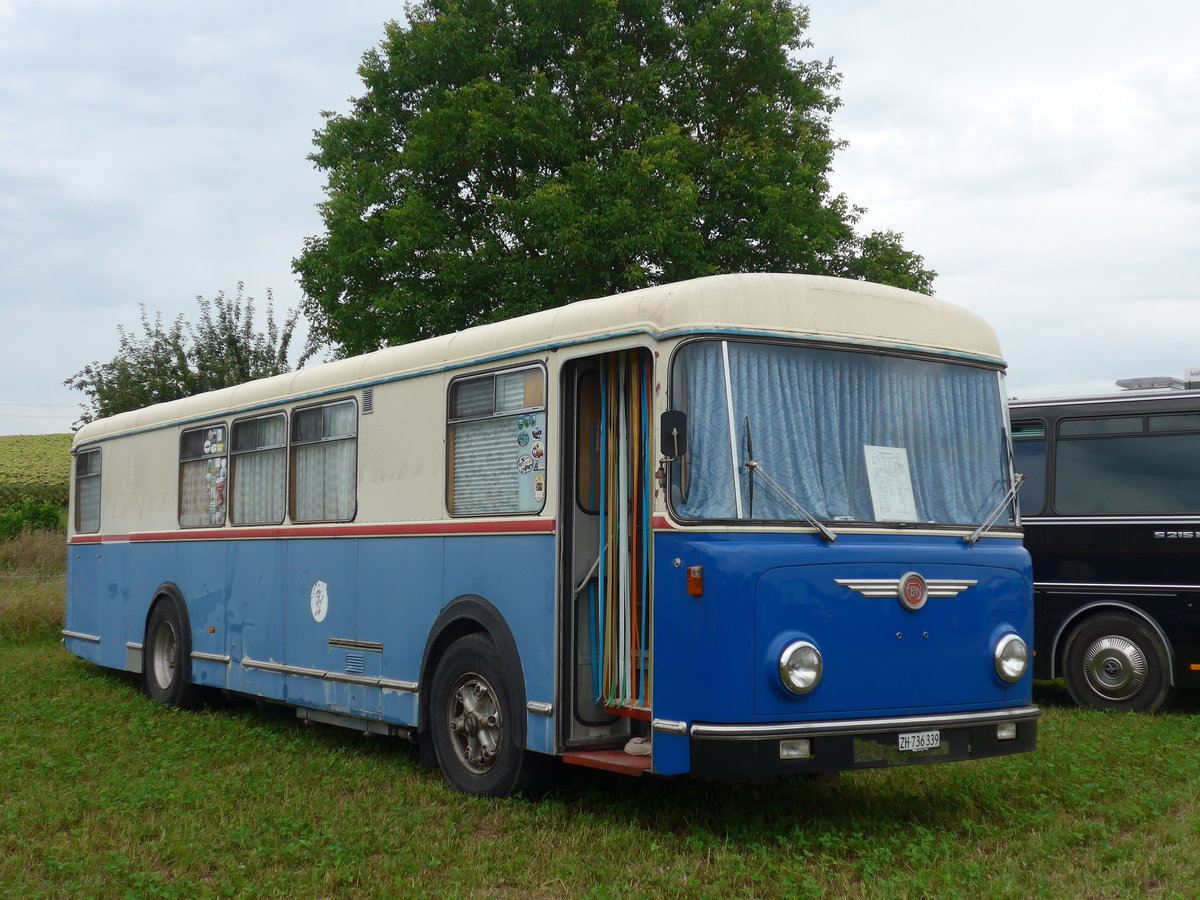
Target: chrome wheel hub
x=475 y=723
x=166 y=650
x=1115 y=668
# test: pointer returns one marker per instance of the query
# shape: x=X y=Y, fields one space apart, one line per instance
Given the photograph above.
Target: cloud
x=1042 y=158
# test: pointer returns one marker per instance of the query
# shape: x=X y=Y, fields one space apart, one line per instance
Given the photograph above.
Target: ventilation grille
x=356 y=664
x=368 y=401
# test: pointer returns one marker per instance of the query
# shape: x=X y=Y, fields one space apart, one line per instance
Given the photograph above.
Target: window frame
x=294 y=443
x=77 y=513
x=234 y=454
x=1032 y=479
x=1145 y=433
x=451 y=421
x=204 y=457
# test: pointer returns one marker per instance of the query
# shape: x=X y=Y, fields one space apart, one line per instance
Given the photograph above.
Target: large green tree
x=221 y=348
x=513 y=155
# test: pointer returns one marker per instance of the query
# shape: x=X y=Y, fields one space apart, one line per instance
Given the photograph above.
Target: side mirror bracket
x=673 y=434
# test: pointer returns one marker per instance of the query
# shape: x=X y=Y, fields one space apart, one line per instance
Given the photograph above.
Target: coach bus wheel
x=472 y=719
x=1115 y=661
x=166 y=657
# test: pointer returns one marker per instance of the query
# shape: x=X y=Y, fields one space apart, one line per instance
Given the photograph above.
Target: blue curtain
x=811 y=415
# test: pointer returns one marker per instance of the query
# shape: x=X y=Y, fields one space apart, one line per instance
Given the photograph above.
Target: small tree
x=221 y=349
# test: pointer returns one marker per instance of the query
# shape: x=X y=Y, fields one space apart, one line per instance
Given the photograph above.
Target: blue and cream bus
x=746 y=525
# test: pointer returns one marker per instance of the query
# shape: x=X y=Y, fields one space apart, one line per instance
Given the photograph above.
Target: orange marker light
x=695 y=580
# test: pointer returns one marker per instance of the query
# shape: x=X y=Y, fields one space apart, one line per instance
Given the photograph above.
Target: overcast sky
x=1044 y=157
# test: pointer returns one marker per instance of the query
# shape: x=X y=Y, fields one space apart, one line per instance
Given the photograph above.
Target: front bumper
x=749 y=751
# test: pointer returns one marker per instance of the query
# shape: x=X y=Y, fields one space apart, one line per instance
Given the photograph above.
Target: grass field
x=37 y=466
x=105 y=794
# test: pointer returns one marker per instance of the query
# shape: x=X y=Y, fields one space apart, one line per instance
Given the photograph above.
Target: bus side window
x=87 y=491
x=496 y=443
x=324 y=463
x=202 y=472
x=1029 y=458
x=258 y=467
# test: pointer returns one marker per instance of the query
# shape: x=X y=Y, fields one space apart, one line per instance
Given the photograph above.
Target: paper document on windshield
x=890 y=483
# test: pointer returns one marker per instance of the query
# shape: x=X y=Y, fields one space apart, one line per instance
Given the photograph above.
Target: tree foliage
x=220 y=349
x=514 y=155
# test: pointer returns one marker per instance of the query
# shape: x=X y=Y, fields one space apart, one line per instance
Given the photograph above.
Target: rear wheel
x=1116 y=661
x=473 y=720
x=167 y=656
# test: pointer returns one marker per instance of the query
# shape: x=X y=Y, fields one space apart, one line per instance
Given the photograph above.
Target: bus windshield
x=790 y=432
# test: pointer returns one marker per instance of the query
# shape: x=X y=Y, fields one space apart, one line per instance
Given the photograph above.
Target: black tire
x=167 y=656
x=1116 y=661
x=474 y=722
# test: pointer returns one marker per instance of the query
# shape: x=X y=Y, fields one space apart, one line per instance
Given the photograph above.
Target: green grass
x=32 y=585
x=37 y=466
x=105 y=794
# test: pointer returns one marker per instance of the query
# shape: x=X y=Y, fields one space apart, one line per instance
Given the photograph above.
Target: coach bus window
x=324 y=463
x=1179 y=422
x=87 y=491
x=202 y=471
x=1131 y=474
x=258 y=470
x=496 y=443
x=845 y=436
x=1114 y=425
x=1029 y=458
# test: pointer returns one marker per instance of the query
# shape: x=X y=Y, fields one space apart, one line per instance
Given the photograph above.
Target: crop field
x=106 y=794
x=37 y=467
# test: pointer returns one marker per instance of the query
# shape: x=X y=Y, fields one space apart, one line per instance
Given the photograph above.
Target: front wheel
x=1116 y=661
x=473 y=721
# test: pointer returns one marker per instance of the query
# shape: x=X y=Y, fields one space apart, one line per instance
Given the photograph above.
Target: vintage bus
x=1112 y=514
x=740 y=526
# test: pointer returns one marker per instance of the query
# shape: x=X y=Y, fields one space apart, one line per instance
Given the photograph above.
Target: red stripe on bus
x=537 y=526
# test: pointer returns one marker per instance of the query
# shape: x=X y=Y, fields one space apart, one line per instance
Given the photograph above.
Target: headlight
x=800 y=667
x=1011 y=657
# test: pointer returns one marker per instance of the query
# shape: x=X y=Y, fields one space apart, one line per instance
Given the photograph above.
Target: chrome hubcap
x=475 y=723
x=166 y=650
x=1115 y=668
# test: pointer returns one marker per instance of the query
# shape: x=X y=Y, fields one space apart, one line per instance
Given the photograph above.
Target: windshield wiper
x=789 y=499
x=1008 y=498
x=750 y=456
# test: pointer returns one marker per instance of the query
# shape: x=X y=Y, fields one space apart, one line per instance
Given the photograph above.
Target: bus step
x=640 y=713
x=609 y=760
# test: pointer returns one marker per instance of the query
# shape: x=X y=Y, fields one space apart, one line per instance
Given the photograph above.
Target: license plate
x=920 y=740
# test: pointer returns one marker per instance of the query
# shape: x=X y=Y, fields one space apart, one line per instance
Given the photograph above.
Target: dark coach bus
x=1111 y=509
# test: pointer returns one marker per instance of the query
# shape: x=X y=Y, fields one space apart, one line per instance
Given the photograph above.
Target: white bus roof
x=800 y=306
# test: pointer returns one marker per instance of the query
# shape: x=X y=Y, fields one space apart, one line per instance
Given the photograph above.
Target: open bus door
x=606 y=532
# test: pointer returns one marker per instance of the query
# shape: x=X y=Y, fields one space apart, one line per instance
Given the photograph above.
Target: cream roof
x=786 y=305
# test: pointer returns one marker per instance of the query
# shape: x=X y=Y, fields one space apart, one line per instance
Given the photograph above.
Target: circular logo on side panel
x=319 y=601
x=913 y=591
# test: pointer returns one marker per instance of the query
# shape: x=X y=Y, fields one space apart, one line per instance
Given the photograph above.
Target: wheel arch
x=471 y=614
x=169 y=592
x=1096 y=607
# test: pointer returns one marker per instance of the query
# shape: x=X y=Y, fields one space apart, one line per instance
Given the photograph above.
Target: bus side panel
x=199 y=570
x=256 y=580
x=515 y=573
x=85 y=573
x=136 y=571
x=320 y=603
x=400 y=591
